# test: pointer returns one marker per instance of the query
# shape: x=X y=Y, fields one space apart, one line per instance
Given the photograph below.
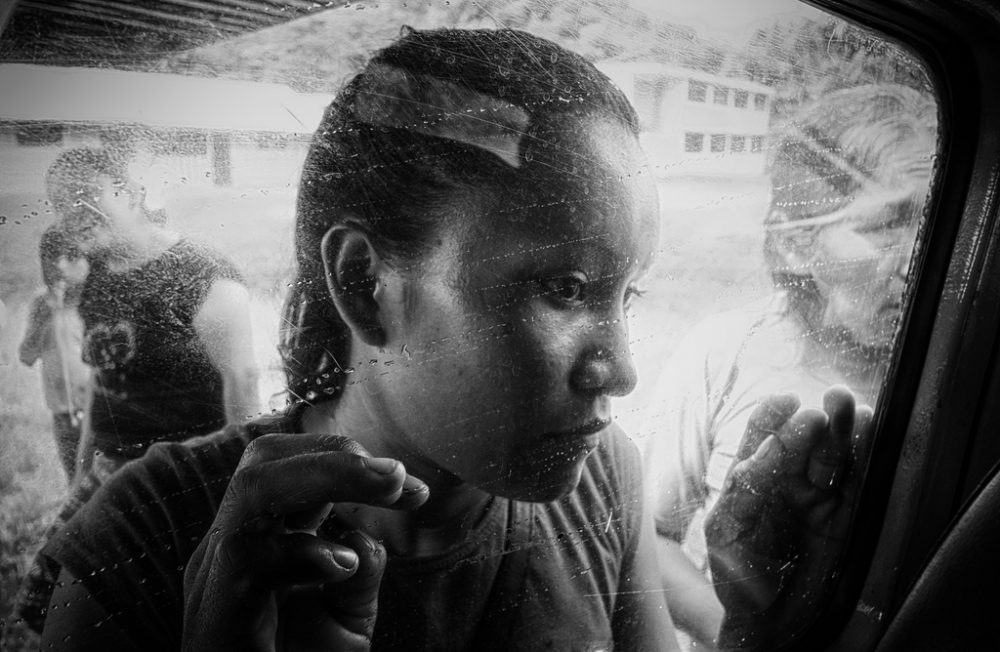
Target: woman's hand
x=778 y=528
x=263 y=579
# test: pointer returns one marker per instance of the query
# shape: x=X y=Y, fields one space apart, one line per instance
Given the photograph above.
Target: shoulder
x=132 y=539
x=202 y=253
x=175 y=485
x=714 y=345
x=729 y=327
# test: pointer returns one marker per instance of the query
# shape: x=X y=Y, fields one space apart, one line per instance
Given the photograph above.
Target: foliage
x=317 y=53
x=806 y=58
x=801 y=58
x=23 y=520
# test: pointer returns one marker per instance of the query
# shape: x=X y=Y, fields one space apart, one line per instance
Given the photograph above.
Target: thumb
x=354 y=602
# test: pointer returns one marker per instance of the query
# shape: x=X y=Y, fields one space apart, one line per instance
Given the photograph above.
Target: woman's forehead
x=588 y=188
x=614 y=220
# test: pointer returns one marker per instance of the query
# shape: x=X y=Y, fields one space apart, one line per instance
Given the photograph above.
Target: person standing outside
x=54 y=335
x=848 y=182
x=166 y=329
x=167 y=325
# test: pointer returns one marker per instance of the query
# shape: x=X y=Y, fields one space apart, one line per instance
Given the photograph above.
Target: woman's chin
x=539 y=487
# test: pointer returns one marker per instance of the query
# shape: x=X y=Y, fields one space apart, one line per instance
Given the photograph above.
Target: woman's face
x=860 y=268
x=514 y=338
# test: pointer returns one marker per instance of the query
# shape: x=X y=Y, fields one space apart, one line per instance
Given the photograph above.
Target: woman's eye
x=568 y=289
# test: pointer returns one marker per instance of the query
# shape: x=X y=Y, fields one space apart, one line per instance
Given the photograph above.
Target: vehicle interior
x=215 y=101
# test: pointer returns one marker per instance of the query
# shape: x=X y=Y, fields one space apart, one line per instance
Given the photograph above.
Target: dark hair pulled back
x=395 y=180
x=71 y=179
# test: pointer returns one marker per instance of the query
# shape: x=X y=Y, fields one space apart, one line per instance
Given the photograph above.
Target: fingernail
x=345 y=558
x=414 y=486
x=382 y=465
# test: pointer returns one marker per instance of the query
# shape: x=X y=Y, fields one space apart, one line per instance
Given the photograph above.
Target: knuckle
x=257 y=450
x=246 y=483
x=231 y=551
x=345 y=444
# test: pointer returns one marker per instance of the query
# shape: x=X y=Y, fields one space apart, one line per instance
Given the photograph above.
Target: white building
x=178 y=130
x=696 y=123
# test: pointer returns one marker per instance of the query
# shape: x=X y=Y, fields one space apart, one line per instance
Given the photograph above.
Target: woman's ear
x=352 y=268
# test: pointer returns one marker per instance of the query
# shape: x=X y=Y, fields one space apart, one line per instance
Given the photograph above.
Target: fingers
x=265 y=493
x=291 y=480
x=766 y=419
x=285 y=560
x=280 y=445
x=342 y=615
x=830 y=458
x=358 y=597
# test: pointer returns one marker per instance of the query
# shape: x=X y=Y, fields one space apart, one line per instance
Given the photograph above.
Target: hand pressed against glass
x=777 y=529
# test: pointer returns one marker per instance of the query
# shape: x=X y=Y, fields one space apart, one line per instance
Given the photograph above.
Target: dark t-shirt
x=529 y=576
x=155 y=381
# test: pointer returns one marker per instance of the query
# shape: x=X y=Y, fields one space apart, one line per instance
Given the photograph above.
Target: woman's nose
x=605 y=367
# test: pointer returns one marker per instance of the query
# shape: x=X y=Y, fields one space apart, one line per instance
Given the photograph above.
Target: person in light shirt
x=848 y=180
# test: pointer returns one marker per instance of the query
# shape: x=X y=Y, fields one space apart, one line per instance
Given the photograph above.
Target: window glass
x=697 y=91
x=782 y=260
x=694 y=142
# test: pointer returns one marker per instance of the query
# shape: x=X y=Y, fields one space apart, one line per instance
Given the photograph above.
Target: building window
x=648 y=100
x=718 y=143
x=720 y=95
x=756 y=144
x=697 y=91
x=271 y=140
x=738 y=144
x=741 y=99
x=39 y=134
x=180 y=142
x=694 y=142
x=759 y=101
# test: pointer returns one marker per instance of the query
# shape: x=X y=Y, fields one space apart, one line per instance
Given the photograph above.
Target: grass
x=709 y=258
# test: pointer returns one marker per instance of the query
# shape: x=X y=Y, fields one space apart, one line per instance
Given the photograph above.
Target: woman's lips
x=588 y=428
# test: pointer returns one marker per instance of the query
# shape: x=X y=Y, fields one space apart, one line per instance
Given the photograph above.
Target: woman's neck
x=453 y=509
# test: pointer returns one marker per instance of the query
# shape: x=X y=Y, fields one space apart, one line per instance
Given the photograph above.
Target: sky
x=733 y=20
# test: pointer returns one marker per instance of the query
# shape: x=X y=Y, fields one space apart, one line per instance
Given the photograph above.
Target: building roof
x=613 y=68
x=51 y=93
x=128 y=33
